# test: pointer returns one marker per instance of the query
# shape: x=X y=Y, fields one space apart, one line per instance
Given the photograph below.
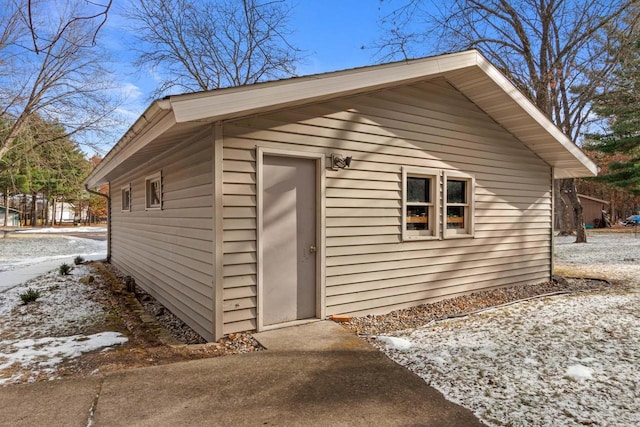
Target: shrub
x=29 y=296
x=78 y=260
x=64 y=269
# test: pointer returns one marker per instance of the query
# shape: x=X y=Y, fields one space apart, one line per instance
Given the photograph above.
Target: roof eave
x=236 y=102
x=532 y=127
x=567 y=159
x=143 y=131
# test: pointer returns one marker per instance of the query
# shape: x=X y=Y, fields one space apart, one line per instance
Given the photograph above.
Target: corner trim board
x=218 y=229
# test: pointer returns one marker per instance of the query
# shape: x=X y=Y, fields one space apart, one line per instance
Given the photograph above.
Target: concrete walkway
x=18 y=276
x=313 y=375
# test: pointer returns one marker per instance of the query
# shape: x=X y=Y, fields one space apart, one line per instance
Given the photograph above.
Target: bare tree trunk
x=569 y=187
x=567 y=227
x=34 y=210
x=6 y=207
x=53 y=211
x=23 y=210
x=45 y=211
x=563 y=223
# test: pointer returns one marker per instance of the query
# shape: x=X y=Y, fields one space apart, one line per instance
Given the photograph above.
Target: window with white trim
x=458 y=204
x=125 y=194
x=153 y=191
x=420 y=201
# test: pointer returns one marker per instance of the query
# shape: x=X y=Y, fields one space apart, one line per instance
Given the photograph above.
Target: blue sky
x=332 y=34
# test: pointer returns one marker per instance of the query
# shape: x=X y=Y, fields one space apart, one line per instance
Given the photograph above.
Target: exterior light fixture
x=338 y=161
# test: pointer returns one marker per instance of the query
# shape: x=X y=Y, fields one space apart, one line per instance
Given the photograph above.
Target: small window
x=126 y=198
x=420 y=201
x=458 y=206
x=153 y=191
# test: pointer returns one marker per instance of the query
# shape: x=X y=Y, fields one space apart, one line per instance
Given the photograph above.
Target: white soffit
x=493 y=92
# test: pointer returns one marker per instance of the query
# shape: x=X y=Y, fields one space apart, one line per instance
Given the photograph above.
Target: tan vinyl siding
x=169 y=251
x=369 y=269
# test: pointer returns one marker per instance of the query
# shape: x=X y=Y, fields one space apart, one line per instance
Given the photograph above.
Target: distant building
x=63 y=213
x=13 y=219
x=591 y=210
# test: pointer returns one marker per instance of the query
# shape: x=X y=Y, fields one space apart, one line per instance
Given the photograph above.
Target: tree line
x=38 y=180
x=54 y=92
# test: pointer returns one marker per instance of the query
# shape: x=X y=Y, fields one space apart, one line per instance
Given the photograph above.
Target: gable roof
x=172 y=119
x=3 y=209
x=582 y=196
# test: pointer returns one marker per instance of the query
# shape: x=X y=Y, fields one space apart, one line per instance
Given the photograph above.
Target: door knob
x=313 y=249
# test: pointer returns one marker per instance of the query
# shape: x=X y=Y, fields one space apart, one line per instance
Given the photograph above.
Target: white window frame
x=125 y=190
x=469 y=226
x=147 y=188
x=433 y=206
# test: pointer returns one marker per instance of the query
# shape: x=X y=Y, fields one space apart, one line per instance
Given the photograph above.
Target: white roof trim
x=141 y=133
x=490 y=90
x=224 y=104
x=535 y=113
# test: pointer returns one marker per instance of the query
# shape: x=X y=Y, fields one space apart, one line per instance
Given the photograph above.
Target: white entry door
x=289 y=247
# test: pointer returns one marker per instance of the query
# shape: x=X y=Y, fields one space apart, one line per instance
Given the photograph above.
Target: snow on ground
x=558 y=361
x=613 y=256
x=17 y=252
x=25 y=257
x=36 y=337
x=45 y=353
x=52 y=230
x=561 y=361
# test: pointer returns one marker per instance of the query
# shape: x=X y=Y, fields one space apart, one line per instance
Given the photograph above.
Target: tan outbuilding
x=351 y=192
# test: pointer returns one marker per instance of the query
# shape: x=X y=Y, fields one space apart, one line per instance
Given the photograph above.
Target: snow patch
x=52 y=230
x=44 y=354
x=24 y=258
x=36 y=337
x=395 y=343
x=606 y=255
x=579 y=373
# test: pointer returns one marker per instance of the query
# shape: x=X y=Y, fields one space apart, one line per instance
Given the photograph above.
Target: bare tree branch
x=213 y=43
x=65 y=82
x=94 y=11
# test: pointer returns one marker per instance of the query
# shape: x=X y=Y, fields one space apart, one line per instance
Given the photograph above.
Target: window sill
x=459 y=236
x=406 y=238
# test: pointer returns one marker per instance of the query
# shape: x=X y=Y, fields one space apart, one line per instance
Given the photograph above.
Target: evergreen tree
x=620 y=106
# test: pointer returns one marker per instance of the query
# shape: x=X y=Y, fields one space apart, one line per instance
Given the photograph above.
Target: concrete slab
x=277 y=388
x=314 y=336
x=56 y=403
x=317 y=374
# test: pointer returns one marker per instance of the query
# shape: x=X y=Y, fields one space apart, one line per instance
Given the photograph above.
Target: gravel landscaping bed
x=180 y=331
x=416 y=317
